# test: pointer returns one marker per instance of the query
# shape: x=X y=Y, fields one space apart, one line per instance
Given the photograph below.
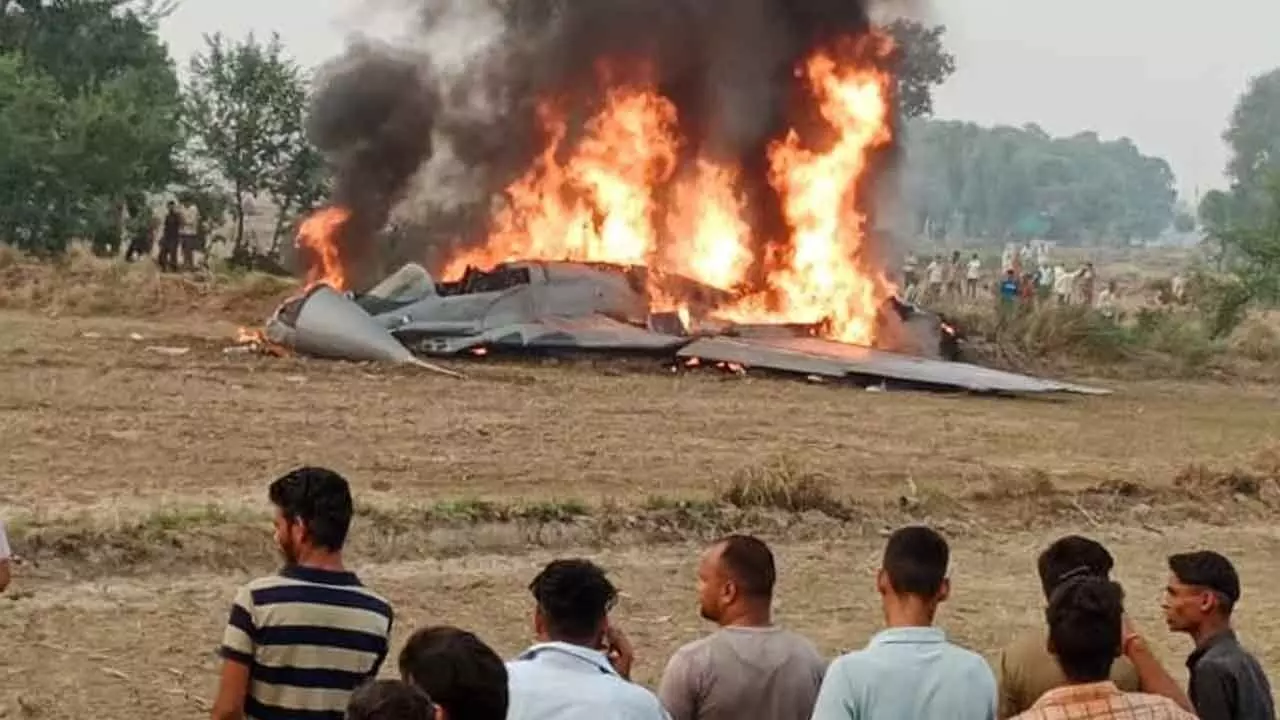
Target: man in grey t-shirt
x=749 y=667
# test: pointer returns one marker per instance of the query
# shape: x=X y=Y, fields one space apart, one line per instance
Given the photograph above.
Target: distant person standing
x=299 y=642
x=1009 y=287
x=910 y=670
x=6 y=556
x=910 y=276
x=955 y=276
x=973 y=273
x=170 y=236
x=191 y=238
x=1227 y=682
x=749 y=667
x=936 y=276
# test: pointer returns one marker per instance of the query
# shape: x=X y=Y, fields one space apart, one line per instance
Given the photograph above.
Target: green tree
x=1249 y=243
x=1009 y=183
x=1254 y=135
x=244 y=112
x=922 y=63
x=298 y=179
x=90 y=117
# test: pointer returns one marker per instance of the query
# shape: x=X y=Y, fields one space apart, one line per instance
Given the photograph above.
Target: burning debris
x=693 y=178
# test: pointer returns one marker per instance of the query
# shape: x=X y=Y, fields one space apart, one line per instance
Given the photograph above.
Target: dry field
x=134 y=487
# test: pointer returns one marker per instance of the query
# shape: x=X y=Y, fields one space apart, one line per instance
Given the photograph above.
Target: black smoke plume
x=372 y=118
x=729 y=67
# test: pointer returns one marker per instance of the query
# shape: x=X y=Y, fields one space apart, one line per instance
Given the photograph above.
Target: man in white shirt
x=579 y=668
x=935 y=272
x=972 y=275
x=5 y=555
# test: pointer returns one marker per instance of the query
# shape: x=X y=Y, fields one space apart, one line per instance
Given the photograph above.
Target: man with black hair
x=1027 y=670
x=465 y=677
x=300 y=641
x=910 y=670
x=1086 y=633
x=391 y=700
x=749 y=667
x=580 y=666
x=1227 y=682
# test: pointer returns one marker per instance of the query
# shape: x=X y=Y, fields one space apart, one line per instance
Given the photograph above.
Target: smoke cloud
x=465 y=80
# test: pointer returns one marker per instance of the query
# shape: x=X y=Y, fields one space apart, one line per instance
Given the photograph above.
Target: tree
x=921 y=63
x=298 y=180
x=82 y=130
x=1010 y=183
x=244 y=106
x=1250 y=252
x=1254 y=135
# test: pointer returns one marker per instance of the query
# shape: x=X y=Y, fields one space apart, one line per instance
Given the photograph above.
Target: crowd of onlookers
x=308 y=642
x=1025 y=277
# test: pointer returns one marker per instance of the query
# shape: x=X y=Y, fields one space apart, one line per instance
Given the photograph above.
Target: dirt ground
x=138 y=452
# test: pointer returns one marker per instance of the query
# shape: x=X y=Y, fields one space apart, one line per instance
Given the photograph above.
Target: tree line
x=1008 y=183
x=94 y=123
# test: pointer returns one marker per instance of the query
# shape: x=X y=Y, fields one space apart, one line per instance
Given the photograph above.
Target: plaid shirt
x=1102 y=701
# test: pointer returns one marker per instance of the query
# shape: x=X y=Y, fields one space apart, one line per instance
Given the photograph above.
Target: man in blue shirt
x=909 y=670
x=1009 y=288
x=579 y=668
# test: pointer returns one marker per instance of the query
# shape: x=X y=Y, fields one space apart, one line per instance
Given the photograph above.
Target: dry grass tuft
x=83 y=284
x=782 y=485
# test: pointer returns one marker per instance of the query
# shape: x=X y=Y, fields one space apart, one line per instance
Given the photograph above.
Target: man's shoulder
x=1158 y=703
x=276 y=588
x=968 y=660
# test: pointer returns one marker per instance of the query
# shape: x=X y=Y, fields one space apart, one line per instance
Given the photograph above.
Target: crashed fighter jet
x=551 y=307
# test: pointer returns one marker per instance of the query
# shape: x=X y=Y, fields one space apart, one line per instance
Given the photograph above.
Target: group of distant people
x=309 y=641
x=179 y=233
x=1025 y=278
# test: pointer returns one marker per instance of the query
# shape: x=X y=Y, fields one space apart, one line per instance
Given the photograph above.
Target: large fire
x=620 y=194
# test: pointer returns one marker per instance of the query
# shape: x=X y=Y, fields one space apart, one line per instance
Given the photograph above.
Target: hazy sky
x=1164 y=72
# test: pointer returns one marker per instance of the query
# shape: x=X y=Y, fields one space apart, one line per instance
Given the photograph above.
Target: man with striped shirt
x=299 y=642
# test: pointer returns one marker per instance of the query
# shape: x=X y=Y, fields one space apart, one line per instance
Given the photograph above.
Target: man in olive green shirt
x=1025 y=669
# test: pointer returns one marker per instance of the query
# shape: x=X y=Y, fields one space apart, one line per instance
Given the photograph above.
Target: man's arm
x=678 y=690
x=836 y=699
x=1152 y=677
x=1212 y=687
x=238 y=645
x=5 y=556
x=1008 y=686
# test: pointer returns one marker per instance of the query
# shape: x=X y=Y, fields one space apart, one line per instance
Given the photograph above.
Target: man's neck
x=1208 y=630
x=321 y=560
x=747 y=616
x=908 y=612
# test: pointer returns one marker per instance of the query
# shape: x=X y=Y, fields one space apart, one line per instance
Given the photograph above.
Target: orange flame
x=318 y=234
x=826 y=277
x=620 y=194
x=597 y=206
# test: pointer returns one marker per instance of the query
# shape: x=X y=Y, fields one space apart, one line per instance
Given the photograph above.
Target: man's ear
x=882 y=582
x=944 y=590
x=539 y=624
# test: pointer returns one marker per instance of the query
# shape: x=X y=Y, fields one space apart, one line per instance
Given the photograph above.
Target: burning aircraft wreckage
x=631 y=226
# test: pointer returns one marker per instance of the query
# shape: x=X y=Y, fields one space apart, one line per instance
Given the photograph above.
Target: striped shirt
x=309 y=637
